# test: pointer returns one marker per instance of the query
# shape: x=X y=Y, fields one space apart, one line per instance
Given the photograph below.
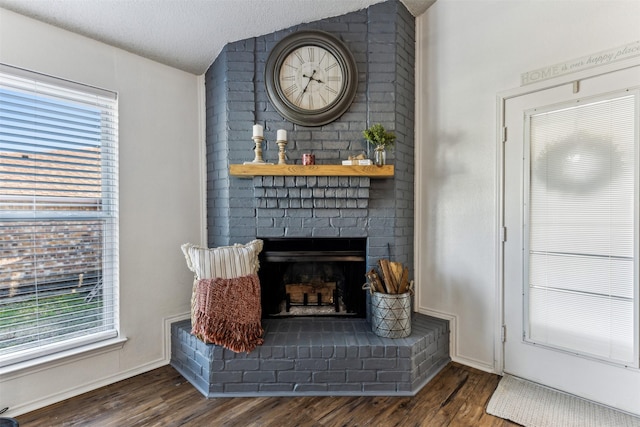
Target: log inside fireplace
x=313 y=277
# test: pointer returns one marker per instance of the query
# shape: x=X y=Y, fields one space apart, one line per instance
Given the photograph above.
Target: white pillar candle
x=257 y=130
x=282 y=135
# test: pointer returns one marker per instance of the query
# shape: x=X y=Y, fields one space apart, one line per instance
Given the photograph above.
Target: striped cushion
x=225 y=262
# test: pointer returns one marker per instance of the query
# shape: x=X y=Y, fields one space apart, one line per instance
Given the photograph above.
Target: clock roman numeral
x=299 y=56
x=335 y=64
x=324 y=101
x=330 y=89
x=334 y=78
x=311 y=52
x=291 y=89
x=324 y=55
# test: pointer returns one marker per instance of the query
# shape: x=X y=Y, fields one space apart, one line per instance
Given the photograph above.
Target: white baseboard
x=453 y=341
x=167 y=321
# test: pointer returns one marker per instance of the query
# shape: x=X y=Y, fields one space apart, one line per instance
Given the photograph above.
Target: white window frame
x=12 y=78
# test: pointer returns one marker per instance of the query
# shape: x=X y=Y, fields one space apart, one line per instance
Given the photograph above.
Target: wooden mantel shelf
x=385 y=171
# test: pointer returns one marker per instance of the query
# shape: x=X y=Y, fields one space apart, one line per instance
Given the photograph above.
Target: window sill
x=61 y=358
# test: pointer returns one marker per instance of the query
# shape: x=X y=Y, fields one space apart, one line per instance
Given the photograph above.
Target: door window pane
x=582 y=190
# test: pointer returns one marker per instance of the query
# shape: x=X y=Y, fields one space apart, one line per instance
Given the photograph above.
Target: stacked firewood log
x=390 y=278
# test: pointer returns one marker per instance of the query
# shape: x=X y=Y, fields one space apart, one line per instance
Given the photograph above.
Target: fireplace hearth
x=313 y=277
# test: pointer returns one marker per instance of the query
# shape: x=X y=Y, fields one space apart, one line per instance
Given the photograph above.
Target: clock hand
x=311 y=77
x=305 y=88
x=309 y=82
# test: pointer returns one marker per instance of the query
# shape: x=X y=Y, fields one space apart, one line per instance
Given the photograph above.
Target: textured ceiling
x=185 y=34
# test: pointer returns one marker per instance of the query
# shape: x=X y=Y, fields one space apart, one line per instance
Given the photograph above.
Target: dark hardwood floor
x=457 y=396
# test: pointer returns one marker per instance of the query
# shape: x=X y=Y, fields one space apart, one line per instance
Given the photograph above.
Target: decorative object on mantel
x=381 y=139
x=308 y=159
x=391 y=293
x=281 y=140
x=258 y=137
x=359 y=160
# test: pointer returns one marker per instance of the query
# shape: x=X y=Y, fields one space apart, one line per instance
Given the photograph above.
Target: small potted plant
x=381 y=139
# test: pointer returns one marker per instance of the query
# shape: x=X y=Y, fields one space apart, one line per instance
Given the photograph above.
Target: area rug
x=533 y=405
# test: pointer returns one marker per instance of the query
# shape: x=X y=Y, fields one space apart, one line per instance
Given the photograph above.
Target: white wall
x=467 y=52
x=161 y=200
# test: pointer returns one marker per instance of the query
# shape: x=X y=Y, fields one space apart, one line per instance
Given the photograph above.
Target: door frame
x=501 y=98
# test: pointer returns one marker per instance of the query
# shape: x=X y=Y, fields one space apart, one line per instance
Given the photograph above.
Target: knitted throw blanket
x=227 y=312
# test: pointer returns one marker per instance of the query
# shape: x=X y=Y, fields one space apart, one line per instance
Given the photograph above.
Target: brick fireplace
x=316 y=355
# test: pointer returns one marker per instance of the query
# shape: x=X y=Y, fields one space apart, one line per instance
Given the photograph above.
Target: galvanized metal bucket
x=391 y=314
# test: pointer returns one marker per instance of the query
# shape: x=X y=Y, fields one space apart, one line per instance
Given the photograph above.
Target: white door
x=571 y=303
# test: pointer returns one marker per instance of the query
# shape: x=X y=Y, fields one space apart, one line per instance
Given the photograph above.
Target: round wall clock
x=311 y=78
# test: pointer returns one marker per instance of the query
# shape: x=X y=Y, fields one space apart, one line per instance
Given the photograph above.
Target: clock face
x=311 y=78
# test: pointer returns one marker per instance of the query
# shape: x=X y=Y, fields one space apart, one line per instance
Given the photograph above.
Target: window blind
x=58 y=215
x=582 y=234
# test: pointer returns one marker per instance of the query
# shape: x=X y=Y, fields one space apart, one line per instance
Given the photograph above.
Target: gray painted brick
x=307 y=388
x=259 y=377
x=281 y=203
x=325 y=232
x=241 y=388
x=327 y=351
x=300 y=213
x=291 y=352
x=318 y=192
x=360 y=376
x=304 y=352
x=301 y=232
x=226 y=377
x=344 y=388
x=276 y=387
x=277 y=352
x=340 y=364
x=379 y=363
x=294 y=376
x=311 y=365
x=216 y=365
x=277 y=365
x=394 y=376
x=329 y=377
x=242 y=365
x=379 y=387
x=377 y=351
x=216 y=388
x=294 y=192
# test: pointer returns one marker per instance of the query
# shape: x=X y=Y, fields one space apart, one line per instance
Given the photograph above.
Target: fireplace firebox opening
x=313 y=277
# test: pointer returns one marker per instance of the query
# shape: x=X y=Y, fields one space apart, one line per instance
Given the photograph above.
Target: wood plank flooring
x=457 y=396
